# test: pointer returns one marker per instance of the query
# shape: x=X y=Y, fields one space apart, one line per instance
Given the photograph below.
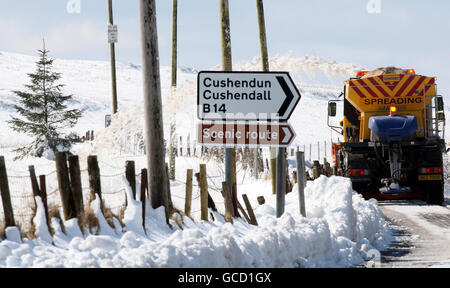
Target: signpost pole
x=301 y=181
x=113 y=62
x=281 y=181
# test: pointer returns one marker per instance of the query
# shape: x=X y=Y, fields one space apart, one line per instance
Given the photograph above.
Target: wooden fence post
x=43 y=195
x=229 y=209
x=243 y=212
x=187 y=205
x=130 y=173
x=251 y=214
x=261 y=200
x=181 y=146
x=62 y=173
x=144 y=188
x=6 y=197
x=203 y=192
x=34 y=183
x=169 y=194
x=94 y=178
x=75 y=184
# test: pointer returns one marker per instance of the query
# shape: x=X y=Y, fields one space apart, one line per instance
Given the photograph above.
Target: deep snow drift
x=340 y=230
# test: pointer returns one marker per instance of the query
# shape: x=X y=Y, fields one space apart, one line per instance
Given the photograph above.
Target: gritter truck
x=393 y=135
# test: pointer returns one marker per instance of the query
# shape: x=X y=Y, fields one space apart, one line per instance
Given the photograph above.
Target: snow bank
x=340 y=229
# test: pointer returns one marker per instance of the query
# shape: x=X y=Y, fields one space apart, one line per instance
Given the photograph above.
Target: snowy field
x=340 y=230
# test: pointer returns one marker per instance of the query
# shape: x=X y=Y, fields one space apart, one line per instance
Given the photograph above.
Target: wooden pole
x=6 y=197
x=169 y=194
x=75 y=184
x=144 y=188
x=318 y=151
x=174 y=42
x=203 y=193
x=113 y=62
x=227 y=65
x=154 y=134
x=229 y=209
x=34 y=182
x=130 y=174
x=172 y=150
x=262 y=35
x=266 y=68
x=251 y=214
x=188 y=203
x=247 y=218
x=94 y=178
x=310 y=152
x=43 y=195
x=62 y=173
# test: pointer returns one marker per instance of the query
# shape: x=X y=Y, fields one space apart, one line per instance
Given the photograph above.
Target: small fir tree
x=44 y=114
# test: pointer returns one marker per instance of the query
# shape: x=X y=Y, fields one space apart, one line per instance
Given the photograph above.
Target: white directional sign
x=112 y=33
x=246 y=96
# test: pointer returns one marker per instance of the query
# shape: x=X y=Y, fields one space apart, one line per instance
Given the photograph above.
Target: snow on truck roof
x=388 y=70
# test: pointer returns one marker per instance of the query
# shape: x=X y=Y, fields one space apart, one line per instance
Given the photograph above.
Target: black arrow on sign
x=289 y=96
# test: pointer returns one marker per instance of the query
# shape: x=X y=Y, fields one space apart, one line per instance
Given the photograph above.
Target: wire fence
x=113 y=193
x=113 y=188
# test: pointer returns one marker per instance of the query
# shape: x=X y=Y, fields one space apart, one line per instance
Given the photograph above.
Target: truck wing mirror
x=439 y=103
x=332 y=109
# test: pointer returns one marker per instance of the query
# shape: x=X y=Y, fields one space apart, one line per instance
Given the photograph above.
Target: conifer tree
x=44 y=113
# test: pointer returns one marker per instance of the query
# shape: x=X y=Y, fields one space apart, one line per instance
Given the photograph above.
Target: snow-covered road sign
x=245 y=134
x=251 y=96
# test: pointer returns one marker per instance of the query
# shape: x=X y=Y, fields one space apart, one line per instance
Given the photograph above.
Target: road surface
x=422 y=234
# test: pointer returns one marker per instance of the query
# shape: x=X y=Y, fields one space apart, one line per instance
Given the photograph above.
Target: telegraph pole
x=227 y=65
x=265 y=64
x=154 y=134
x=277 y=162
x=174 y=42
x=113 y=62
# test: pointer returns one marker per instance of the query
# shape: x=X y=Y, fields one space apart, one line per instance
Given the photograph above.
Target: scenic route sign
x=245 y=134
x=251 y=96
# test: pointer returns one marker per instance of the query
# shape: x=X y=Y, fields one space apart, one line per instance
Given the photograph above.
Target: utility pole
x=113 y=62
x=277 y=162
x=265 y=64
x=174 y=42
x=227 y=65
x=154 y=134
x=172 y=148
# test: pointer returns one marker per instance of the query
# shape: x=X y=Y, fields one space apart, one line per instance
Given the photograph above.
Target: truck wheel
x=435 y=193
